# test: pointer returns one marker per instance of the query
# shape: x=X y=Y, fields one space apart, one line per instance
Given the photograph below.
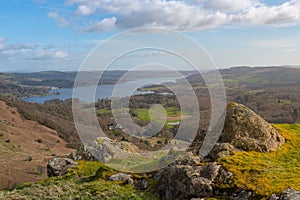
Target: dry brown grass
x=25 y=148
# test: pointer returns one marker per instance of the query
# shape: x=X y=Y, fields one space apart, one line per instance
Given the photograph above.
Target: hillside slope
x=25 y=148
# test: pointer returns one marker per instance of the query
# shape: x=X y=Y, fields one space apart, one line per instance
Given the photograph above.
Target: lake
x=87 y=94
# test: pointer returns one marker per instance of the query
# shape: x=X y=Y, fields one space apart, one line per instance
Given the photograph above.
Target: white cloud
x=85 y=10
x=29 y=51
x=103 y=25
x=171 y=14
x=105 y=15
x=228 y=5
x=61 y=20
x=285 y=14
x=13 y=49
x=48 y=54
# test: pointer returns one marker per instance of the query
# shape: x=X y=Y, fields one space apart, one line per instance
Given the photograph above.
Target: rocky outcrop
x=59 y=166
x=82 y=153
x=187 y=159
x=182 y=182
x=188 y=178
x=104 y=149
x=245 y=130
x=186 y=181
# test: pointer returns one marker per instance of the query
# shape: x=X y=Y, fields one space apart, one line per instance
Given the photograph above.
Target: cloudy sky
x=40 y=35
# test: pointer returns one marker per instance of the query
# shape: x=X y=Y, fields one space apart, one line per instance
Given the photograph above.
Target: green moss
x=272 y=172
x=86 y=181
x=138 y=163
x=91 y=169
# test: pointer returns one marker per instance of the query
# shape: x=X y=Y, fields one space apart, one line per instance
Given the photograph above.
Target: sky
x=38 y=35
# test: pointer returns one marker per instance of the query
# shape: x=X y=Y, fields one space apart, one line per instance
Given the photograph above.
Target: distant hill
x=255 y=76
x=272 y=92
x=39 y=83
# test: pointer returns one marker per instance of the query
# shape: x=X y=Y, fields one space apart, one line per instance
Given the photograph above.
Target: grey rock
x=142 y=184
x=273 y=197
x=59 y=166
x=290 y=194
x=221 y=150
x=120 y=177
x=187 y=159
x=243 y=195
x=180 y=181
x=82 y=153
x=93 y=151
x=225 y=176
x=247 y=131
x=104 y=149
x=210 y=171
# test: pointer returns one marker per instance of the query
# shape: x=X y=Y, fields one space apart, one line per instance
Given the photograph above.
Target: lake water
x=88 y=94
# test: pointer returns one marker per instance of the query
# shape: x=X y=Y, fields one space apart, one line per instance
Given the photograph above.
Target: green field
x=143 y=114
x=103 y=111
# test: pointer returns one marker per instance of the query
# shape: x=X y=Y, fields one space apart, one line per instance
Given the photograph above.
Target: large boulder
x=59 y=166
x=245 y=130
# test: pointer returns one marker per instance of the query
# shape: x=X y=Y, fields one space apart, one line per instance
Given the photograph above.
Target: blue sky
x=40 y=35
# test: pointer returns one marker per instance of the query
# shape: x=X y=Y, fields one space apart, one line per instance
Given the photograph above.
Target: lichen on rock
x=246 y=130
